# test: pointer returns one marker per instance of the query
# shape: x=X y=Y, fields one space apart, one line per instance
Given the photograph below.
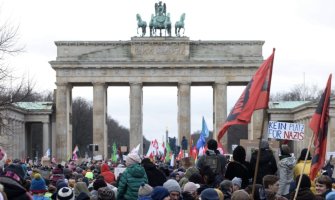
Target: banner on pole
x=286 y=131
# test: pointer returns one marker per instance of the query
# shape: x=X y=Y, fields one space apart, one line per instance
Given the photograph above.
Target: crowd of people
x=211 y=177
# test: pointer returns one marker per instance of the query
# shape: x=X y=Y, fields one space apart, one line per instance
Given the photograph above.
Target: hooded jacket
x=107 y=174
x=267 y=164
x=130 y=181
x=285 y=174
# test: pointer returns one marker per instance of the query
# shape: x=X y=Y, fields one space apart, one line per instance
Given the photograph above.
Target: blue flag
x=203 y=135
x=204 y=131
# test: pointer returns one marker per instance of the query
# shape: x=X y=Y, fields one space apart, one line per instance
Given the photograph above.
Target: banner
x=286 y=131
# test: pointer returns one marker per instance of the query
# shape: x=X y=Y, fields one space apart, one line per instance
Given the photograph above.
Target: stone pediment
x=161 y=50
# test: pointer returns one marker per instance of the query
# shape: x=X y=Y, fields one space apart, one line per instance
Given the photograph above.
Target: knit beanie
x=60 y=184
x=65 y=193
x=172 y=186
x=237 y=181
x=159 y=193
x=105 y=193
x=225 y=185
x=221 y=196
x=209 y=194
x=190 y=187
x=133 y=158
x=38 y=185
x=144 y=190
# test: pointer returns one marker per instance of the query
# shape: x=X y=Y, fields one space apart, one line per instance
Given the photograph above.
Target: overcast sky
x=303 y=33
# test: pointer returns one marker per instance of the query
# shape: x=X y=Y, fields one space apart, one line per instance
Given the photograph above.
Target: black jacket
x=155 y=176
x=267 y=164
x=241 y=170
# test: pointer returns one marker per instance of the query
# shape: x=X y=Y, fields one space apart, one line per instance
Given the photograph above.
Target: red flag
x=180 y=155
x=191 y=145
x=255 y=96
x=194 y=152
x=319 y=126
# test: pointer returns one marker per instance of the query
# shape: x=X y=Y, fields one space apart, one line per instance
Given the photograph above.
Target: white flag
x=47 y=153
x=136 y=149
x=172 y=160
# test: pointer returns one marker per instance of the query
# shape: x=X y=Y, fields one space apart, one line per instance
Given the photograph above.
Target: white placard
x=286 y=131
x=97 y=157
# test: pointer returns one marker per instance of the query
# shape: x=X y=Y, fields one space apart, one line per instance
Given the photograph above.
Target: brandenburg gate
x=147 y=61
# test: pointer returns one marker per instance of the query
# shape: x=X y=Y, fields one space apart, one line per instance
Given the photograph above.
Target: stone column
x=63 y=121
x=184 y=111
x=220 y=110
x=99 y=117
x=16 y=140
x=331 y=131
x=17 y=137
x=46 y=137
x=256 y=124
x=23 y=148
x=136 y=116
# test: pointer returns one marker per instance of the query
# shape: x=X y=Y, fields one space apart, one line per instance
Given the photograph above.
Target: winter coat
x=155 y=176
x=14 y=190
x=130 y=182
x=107 y=174
x=298 y=168
x=267 y=164
x=241 y=170
x=285 y=168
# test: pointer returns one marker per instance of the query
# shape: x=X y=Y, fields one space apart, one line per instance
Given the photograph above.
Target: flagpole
x=258 y=157
x=303 y=168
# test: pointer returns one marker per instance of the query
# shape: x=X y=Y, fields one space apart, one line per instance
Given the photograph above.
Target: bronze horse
x=180 y=25
x=141 y=24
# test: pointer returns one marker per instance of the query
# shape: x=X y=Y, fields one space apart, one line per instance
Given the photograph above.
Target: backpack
x=214 y=163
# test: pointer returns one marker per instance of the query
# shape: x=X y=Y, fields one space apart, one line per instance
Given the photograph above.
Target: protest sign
x=286 y=131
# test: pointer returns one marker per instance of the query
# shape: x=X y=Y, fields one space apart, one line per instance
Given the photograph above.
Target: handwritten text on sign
x=286 y=131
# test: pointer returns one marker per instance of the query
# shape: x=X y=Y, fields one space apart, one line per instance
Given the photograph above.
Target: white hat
x=65 y=193
x=237 y=181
